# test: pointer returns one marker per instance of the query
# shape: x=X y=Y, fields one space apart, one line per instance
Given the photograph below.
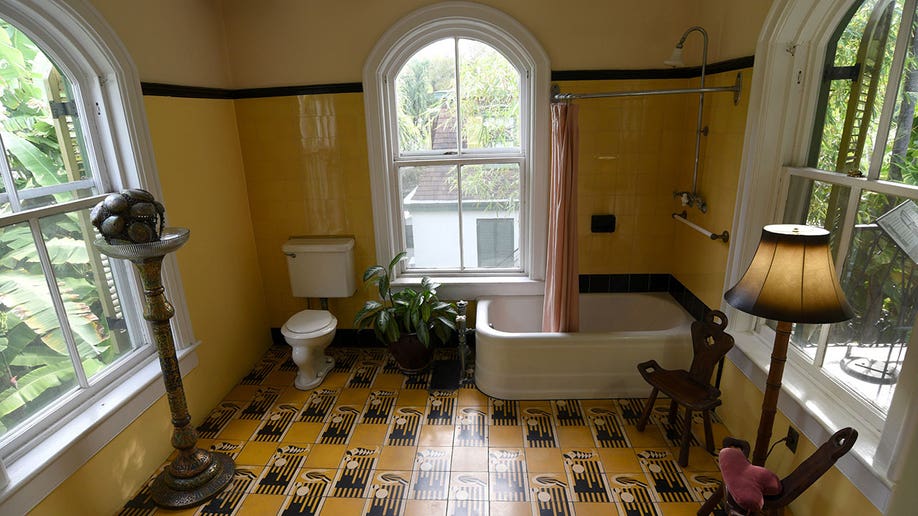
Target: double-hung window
x=861 y=183
x=71 y=327
x=832 y=141
x=456 y=109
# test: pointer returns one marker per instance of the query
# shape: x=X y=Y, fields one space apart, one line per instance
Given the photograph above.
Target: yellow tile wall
x=631 y=149
x=306 y=170
x=699 y=262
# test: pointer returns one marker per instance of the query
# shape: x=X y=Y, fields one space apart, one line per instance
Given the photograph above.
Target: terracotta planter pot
x=411 y=355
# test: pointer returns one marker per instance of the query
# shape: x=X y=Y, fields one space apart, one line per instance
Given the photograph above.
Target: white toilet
x=321 y=267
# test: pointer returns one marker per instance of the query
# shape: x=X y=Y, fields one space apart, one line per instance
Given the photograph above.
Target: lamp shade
x=675 y=60
x=792 y=278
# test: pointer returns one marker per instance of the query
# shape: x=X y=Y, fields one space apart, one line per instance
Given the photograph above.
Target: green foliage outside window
x=36 y=366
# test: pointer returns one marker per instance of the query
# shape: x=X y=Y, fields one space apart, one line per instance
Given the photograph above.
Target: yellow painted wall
x=197 y=152
x=578 y=34
x=172 y=41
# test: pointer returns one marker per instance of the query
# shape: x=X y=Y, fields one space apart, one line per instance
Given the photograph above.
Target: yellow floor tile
x=354 y=397
x=303 y=432
x=255 y=454
x=505 y=436
x=325 y=456
x=412 y=398
x=258 y=504
x=279 y=379
x=699 y=459
x=619 y=460
x=397 y=458
x=471 y=398
x=388 y=381
x=293 y=396
x=343 y=506
x=470 y=458
x=545 y=460
x=241 y=429
x=242 y=393
x=436 y=436
x=510 y=509
x=575 y=437
x=368 y=435
x=335 y=380
x=425 y=508
x=649 y=438
x=595 y=509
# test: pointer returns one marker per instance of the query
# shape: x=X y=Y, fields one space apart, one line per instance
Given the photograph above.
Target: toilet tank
x=321 y=267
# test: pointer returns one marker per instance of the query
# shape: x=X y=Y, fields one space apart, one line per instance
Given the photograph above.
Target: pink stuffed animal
x=746 y=483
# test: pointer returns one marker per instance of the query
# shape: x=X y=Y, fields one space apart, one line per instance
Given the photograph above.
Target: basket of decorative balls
x=132 y=216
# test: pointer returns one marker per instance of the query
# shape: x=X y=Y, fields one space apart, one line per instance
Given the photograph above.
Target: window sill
x=454 y=287
x=43 y=468
x=817 y=414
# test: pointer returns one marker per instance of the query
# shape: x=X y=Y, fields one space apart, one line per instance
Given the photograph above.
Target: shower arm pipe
x=683 y=218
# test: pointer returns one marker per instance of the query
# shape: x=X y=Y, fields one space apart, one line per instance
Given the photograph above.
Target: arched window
x=457 y=100
x=71 y=327
x=831 y=142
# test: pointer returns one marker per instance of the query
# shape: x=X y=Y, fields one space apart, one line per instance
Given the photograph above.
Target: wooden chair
x=691 y=389
x=794 y=484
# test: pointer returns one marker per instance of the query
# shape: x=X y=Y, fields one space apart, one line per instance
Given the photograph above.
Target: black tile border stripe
x=156 y=89
x=729 y=65
x=602 y=283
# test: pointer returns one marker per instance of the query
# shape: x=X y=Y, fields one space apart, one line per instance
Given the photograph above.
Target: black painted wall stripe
x=172 y=90
x=155 y=89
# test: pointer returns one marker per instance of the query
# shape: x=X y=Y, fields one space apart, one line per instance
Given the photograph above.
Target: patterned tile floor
x=372 y=441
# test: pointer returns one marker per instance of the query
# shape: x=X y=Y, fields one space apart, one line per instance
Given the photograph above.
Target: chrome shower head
x=675 y=60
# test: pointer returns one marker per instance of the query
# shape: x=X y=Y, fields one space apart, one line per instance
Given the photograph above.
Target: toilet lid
x=309 y=321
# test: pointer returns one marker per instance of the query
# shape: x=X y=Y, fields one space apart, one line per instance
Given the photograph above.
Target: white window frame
x=107 y=92
x=395 y=47
x=782 y=113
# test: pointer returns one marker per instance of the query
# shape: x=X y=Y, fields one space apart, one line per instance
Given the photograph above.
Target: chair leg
x=708 y=432
x=648 y=407
x=686 y=438
x=673 y=412
x=711 y=503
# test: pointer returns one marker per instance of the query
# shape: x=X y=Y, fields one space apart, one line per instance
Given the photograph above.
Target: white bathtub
x=515 y=360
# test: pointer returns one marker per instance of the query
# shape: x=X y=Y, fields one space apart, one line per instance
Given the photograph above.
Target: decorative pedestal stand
x=195 y=475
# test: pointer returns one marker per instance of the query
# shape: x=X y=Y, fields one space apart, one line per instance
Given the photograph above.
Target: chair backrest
x=710 y=343
x=813 y=467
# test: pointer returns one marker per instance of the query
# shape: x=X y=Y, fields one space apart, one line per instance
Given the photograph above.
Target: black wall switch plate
x=602 y=224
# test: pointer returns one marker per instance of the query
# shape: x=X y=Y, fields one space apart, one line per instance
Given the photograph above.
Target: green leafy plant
x=405 y=311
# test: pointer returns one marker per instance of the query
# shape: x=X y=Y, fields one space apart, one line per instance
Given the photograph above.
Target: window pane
x=35 y=367
x=901 y=158
x=38 y=124
x=856 y=85
x=93 y=307
x=821 y=204
x=490 y=90
x=430 y=207
x=425 y=97
x=881 y=283
x=491 y=193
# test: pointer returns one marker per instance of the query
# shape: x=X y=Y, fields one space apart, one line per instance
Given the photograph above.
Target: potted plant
x=404 y=319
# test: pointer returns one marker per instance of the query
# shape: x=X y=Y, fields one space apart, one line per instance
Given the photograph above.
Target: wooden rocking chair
x=794 y=484
x=691 y=389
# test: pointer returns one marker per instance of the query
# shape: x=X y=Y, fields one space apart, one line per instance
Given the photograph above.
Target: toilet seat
x=309 y=323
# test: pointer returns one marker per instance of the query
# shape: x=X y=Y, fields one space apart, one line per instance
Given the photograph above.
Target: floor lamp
x=791 y=280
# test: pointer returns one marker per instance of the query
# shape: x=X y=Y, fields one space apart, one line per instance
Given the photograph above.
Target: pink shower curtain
x=561 y=311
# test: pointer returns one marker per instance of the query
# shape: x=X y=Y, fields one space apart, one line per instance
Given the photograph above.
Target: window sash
x=857 y=186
